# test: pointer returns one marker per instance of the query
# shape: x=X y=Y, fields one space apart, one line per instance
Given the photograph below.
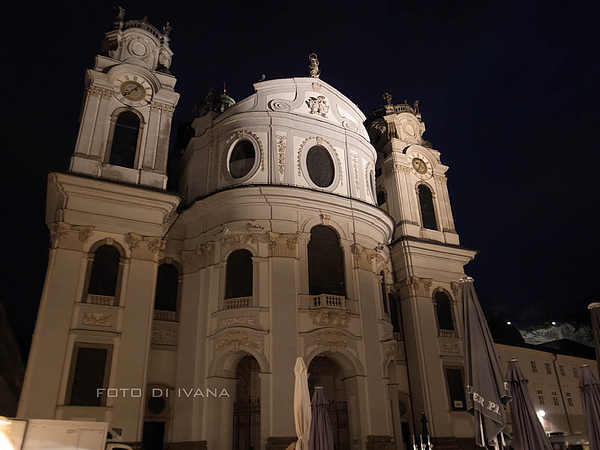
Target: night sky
x=508 y=92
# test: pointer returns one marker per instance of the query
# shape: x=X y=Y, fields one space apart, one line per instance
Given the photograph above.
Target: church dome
x=297 y=132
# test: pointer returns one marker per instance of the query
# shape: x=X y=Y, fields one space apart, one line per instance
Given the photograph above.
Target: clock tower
x=128 y=106
x=428 y=261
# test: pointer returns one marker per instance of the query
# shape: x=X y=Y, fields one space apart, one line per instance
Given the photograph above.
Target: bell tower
x=128 y=106
x=428 y=261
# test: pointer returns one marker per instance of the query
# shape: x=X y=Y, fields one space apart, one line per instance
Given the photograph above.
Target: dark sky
x=508 y=91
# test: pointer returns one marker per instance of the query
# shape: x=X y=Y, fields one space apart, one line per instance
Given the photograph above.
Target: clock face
x=132 y=90
x=419 y=165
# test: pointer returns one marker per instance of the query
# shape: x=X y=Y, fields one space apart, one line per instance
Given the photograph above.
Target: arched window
x=167 y=287
x=238 y=275
x=125 y=140
x=443 y=309
x=325 y=262
x=384 y=293
x=105 y=271
x=427 y=209
x=381 y=198
x=395 y=315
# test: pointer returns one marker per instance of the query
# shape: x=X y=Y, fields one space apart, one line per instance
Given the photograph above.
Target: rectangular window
x=533 y=366
x=575 y=372
x=561 y=369
x=555 y=398
x=89 y=372
x=569 y=398
x=540 y=394
x=456 y=388
x=548 y=369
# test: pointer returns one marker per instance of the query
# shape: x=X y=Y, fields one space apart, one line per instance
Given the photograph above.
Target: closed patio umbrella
x=528 y=433
x=321 y=436
x=590 y=398
x=486 y=390
x=302 y=413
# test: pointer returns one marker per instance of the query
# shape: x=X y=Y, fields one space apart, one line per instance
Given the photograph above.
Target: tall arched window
x=325 y=262
x=384 y=293
x=167 y=288
x=125 y=140
x=238 y=275
x=105 y=271
x=427 y=209
x=443 y=309
x=395 y=315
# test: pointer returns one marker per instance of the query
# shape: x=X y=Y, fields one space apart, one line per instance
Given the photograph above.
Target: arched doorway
x=246 y=409
x=325 y=372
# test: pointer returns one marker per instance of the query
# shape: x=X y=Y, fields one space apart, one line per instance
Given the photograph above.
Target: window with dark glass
x=384 y=293
x=105 y=271
x=125 y=139
x=88 y=374
x=427 y=209
x=167 y=286
x=456 y=389
x=242 y=159
x=381 y=198
x=238 y=275
x=443 y=309
x=325 y=262
x=320 y=166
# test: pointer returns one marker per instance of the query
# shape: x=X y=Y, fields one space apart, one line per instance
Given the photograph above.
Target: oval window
x=242 y=159
x=320 y=166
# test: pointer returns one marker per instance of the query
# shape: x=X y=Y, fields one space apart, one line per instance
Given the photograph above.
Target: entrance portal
x=246 y=409
x=323 y=371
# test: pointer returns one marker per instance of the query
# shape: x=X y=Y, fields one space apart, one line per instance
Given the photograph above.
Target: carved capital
x=69 y=236
x=364 y=257
x=455 y=286
x=283 y=245
x=145 y=247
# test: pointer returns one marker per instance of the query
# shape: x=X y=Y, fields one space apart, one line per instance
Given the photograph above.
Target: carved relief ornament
x=235 y=339
x=416 y=282
x=329 y=318
x=236 y=240
x=365 y=257
x=281 y=148
x=332 y=339
x=200 y=257
x=97 y=319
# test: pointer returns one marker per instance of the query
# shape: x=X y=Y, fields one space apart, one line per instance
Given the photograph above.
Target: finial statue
x=119 y=17
x=387 y=97
x=313 y=69
x=167 y=29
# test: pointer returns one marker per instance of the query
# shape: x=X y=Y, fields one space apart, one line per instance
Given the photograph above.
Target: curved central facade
x=284 y=255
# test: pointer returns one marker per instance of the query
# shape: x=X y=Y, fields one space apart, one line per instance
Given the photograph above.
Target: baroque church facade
x=299 y=228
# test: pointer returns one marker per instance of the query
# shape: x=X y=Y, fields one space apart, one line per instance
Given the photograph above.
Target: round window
x=156 y=405
x=320 y=166
x=242 y=159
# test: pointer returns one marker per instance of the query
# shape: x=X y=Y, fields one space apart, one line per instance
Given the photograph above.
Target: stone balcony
x=327 y=301
x=238 y=302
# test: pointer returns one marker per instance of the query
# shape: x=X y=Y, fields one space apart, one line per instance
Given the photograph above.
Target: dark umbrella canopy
x=321 y=436
x=595 y=316
x=528 y=433
x=486 y=391
x=590 y=398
